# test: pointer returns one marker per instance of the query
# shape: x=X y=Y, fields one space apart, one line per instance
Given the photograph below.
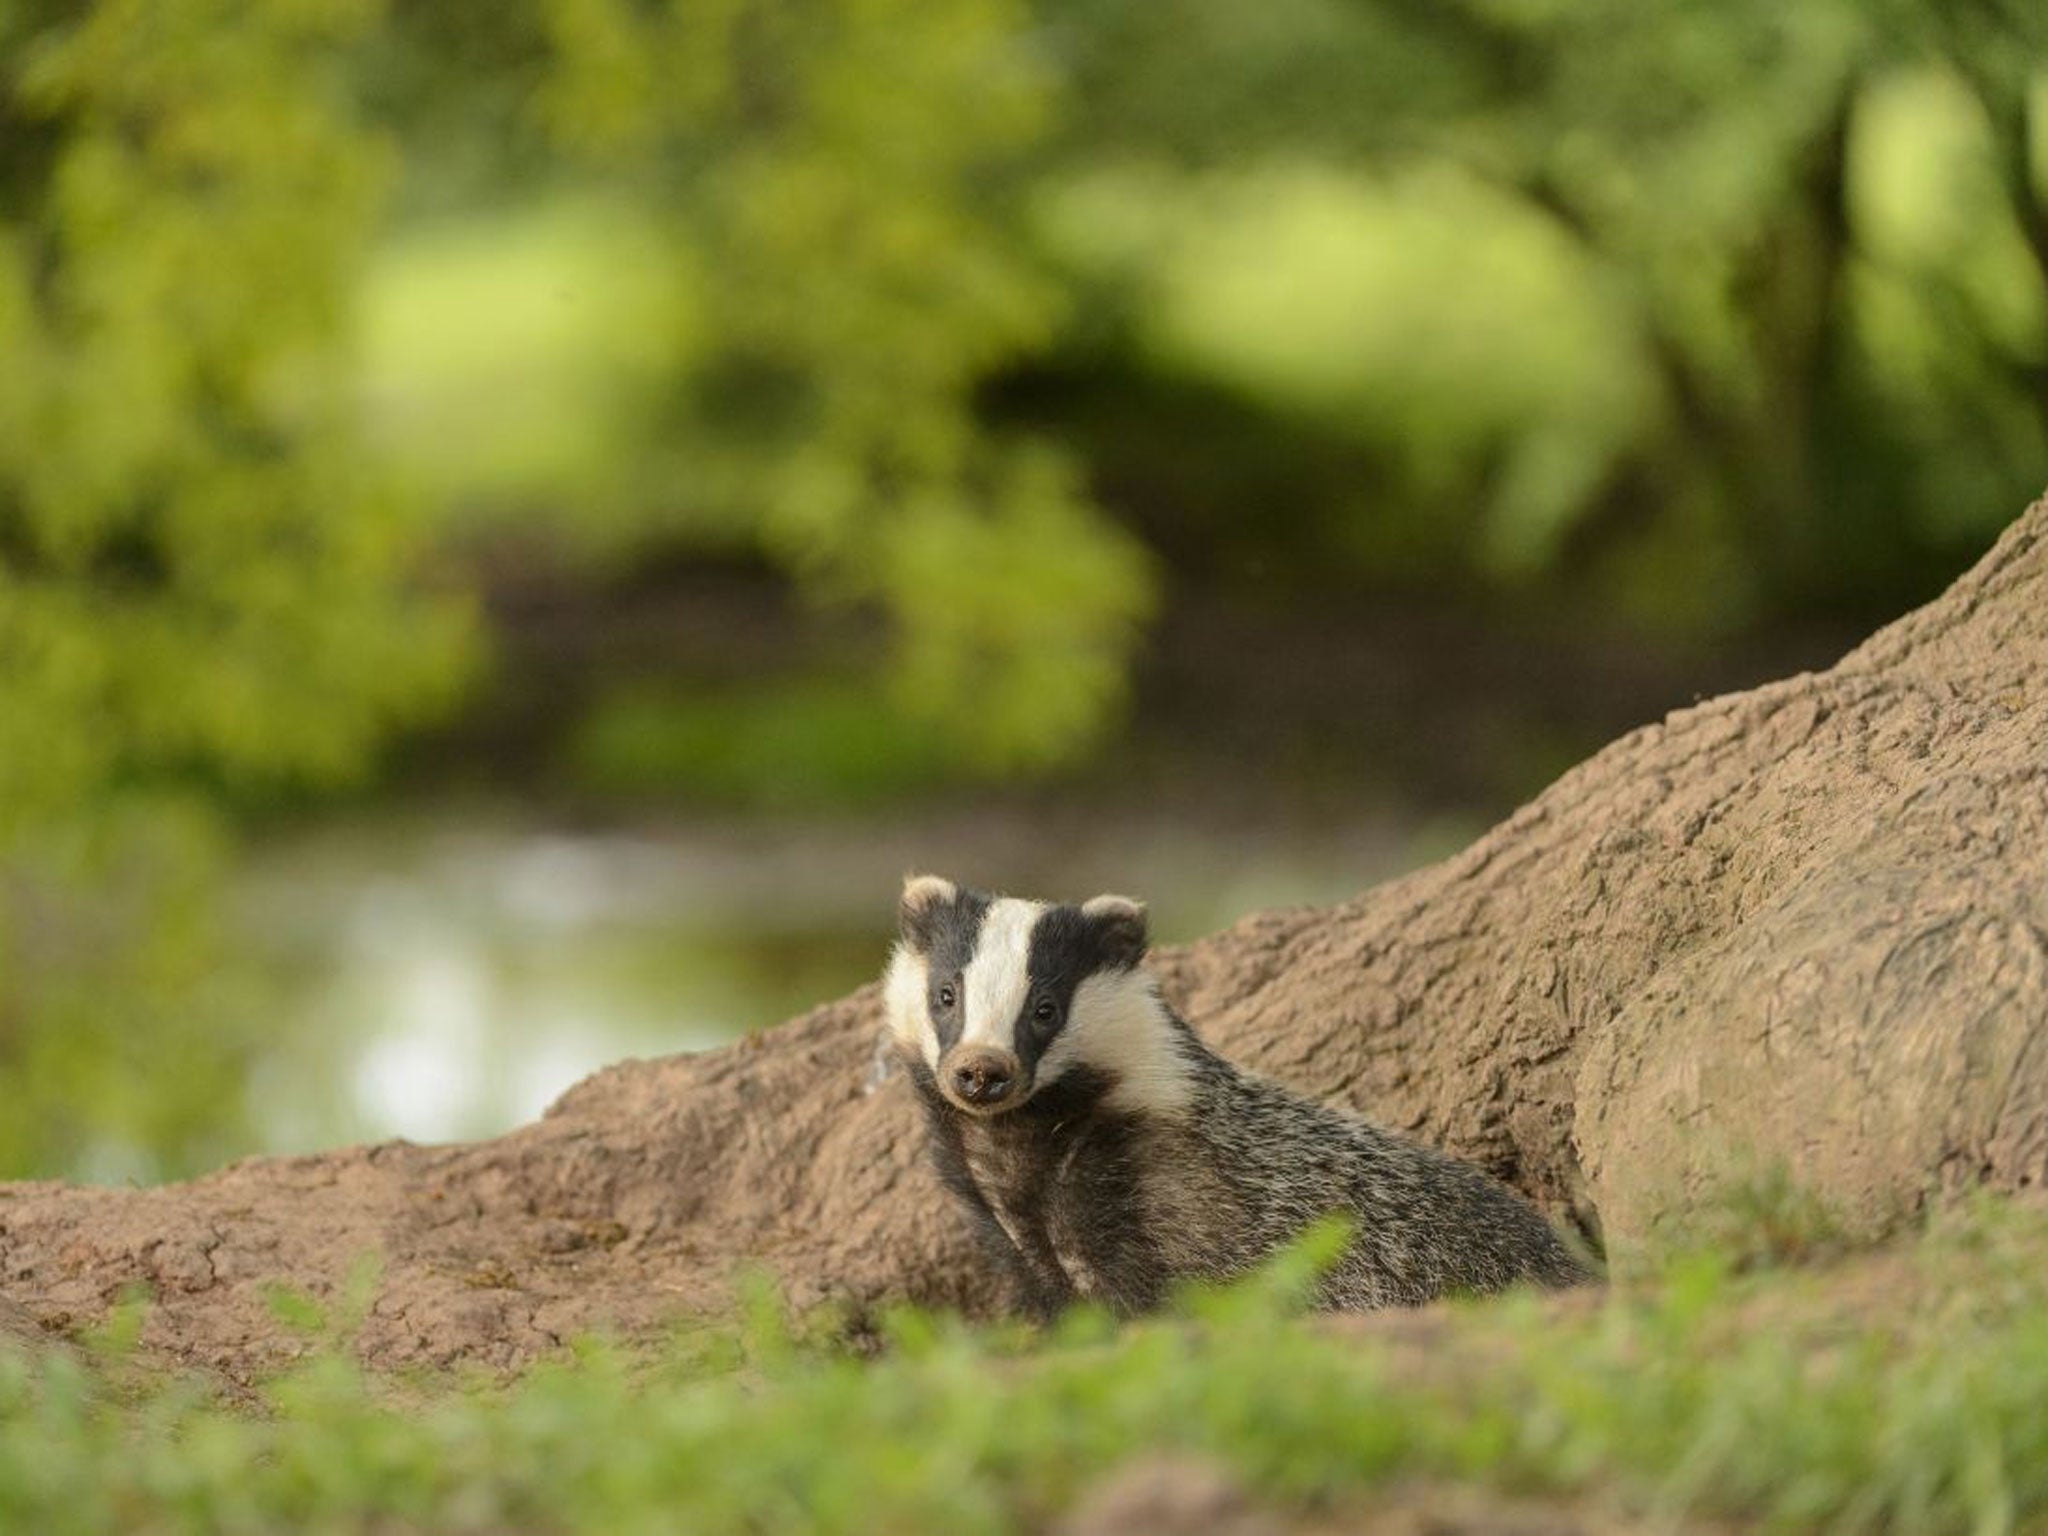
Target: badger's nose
x=985 y=1076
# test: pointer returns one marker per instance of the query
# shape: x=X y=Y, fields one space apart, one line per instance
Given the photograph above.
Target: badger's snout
x=982 y=1076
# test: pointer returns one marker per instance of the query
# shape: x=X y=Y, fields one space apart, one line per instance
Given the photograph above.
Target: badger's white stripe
x=999 y=976
x=905 y=1001
x=1118 y=1026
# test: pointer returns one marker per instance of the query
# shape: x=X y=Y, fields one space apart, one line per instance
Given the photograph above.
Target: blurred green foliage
x=201 y=570
x=205 y=582
x=824 y=174
x=124 y=1027
x=1787 y=266
x=975 y=317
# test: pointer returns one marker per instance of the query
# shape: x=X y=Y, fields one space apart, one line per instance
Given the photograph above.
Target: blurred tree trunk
x=1801 y=928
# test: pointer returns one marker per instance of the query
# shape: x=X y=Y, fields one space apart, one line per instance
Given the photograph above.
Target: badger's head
x=1002 y=998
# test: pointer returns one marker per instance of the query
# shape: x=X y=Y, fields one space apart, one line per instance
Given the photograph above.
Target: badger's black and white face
x=1001 y=998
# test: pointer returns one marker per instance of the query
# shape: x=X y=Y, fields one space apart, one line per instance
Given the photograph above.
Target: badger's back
x=1425 y=1224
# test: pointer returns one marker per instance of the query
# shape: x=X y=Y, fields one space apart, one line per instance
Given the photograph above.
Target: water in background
x=438 y=982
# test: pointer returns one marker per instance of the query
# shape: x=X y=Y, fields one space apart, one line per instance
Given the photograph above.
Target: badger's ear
x=924 y=898
x=1121 y=923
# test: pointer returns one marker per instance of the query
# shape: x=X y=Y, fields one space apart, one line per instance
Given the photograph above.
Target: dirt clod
x=1169 y=1496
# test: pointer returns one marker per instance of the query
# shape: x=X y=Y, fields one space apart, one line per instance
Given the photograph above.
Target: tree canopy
x=983 y=317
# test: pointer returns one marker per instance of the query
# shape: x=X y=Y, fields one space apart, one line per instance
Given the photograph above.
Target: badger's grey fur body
x=1107 y=1153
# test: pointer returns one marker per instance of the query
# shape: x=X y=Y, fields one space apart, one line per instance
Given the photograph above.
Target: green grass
x=1906 y=1392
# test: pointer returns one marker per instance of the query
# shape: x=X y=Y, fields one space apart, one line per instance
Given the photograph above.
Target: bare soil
x=1805 y=924
x=1185 y=1496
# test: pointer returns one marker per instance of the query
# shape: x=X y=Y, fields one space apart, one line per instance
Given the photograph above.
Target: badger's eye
x=1045 y=1012
x=945 y=997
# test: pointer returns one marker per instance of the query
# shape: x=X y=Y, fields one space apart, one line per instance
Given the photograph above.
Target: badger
x=1106 y=1153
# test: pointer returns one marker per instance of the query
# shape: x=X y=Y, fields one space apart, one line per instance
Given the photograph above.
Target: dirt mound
x=1186 y=1496
x=1805 y=924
